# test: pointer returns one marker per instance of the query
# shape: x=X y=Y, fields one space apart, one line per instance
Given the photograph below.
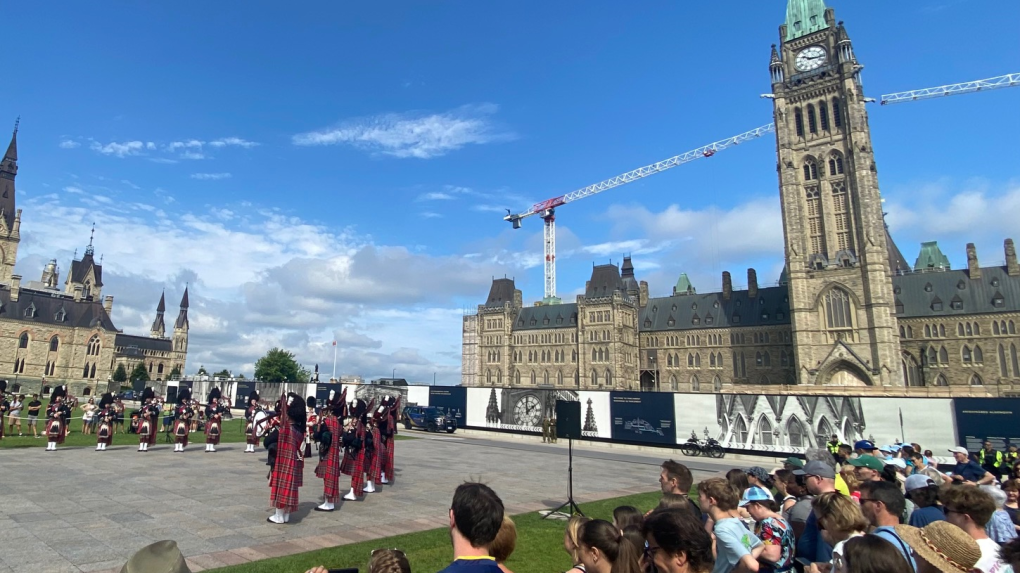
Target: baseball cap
x=795 y=462
x=816 y=468
x=917 y=481
x=870 y=462
x=863 y=445
x=754 y=493
x=898 y=462
x=758 y=472
x=959 y=450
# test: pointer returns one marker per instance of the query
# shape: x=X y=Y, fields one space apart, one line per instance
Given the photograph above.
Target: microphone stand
x=570 y=503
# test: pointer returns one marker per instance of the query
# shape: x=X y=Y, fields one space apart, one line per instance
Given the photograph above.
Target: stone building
x=848 y=311
x=53 y=335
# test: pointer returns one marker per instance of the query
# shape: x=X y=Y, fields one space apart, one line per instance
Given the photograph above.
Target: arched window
x=92 y=372
x=943 y=355
x=977 y=329
x=736 y=371
x=940 y=380
x=764 y=436
x=609 y=377
x=695 y=384
x=594 y=378
x=85 y=371
x=959 y=329
x=824 y=430
x=823 y=115
x=758 y=359
x=812 y=121
x=690 y=359
x=669 y=360
x=795 y=431
x=1012 y=327
x=911 y=373
x=979 y=356
x=837 y=113
x=764 y=381
x=594 y=355
x=93 y=346
x=23 y=341
x=942 y=331
x=533 y=378
x=517 y=377
x=995 y=327
x=672 y=382
x=837 y=309
x=933 y=355
x=559 y=379
x=717 y=384
x=927 y=331
x=970 y=329
x=499 y=377
x=975 y=380
x=965 y=354
x=740 y=431
x=718 y=360
x=798 y=119
x=1003 y=370
x=87 y=391
x=697 y=360
x=54 y=343
x=150 y=368
x=766 y=359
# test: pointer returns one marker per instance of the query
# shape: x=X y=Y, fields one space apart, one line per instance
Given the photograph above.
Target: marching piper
x=251 y=436
x=328 y=436
x=288 y=467
x=311 y=421
x=107 y=414
x=213 y=420
x=183 y=415
x=376 y=452
x=57 y=417
x=148 y=417
x=353 y=463
x=388 y=429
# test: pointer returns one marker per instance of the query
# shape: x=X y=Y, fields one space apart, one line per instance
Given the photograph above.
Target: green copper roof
x=804 y=17
x=684 y=286
x=931 y=257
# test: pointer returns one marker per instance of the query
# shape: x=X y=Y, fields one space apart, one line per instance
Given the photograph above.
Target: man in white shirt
x=969 y=508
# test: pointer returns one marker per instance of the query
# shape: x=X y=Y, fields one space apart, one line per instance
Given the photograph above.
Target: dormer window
x=545 y=320
x=655 y=309
x=897 y=290
x=709 y=319
x=735 y=319
x=30 y=311
x=995 y=282
x=696 y=319
x=780 y=315
x=998 y=301
x=533 y=322
x=936 y=304
x=671 y=322
x=61 y=315
x=961 y=285
x=648 y=323
x=927 y=287
x=899 y=306
x=956 y=303
x=715 y=304
x=694 y=306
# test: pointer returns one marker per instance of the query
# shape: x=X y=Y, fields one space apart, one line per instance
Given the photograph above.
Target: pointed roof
x=184 y=299
x=804 y=17
x=931 y=258
x=12 y=149
x=784 y=277
x=684 y=286
x=897 y=262
x=605 y=280
x=628 y=268
x=161 y=307
x=182 y=318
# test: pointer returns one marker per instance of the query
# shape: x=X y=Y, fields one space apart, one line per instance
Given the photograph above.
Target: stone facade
x=849 y=310
x=52 y=335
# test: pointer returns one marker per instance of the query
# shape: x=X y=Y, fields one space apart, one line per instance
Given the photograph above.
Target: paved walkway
x=80 y=510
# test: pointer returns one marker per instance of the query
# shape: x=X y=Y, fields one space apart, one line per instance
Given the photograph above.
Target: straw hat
x=947 y=547
x=160 y=557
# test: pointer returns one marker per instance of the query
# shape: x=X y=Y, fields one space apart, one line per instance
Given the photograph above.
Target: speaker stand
x=570 y=503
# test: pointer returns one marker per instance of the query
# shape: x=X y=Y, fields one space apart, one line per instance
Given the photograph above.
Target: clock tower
x=840 y=287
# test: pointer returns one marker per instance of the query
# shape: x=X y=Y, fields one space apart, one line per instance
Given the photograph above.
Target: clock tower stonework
x=837 y=258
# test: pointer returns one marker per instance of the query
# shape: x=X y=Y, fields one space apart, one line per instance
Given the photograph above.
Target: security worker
x=545 y=430
x=990 y=459
x=552 y=430
x=1011 y=457
x=833 y=447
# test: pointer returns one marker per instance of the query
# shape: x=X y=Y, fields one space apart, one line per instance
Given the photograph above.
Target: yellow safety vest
x=833 y=447
x=998 y=458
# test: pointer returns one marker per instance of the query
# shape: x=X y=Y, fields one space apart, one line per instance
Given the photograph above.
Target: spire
x=90 y=250
x=12 y=149
x=184 y=299
x=182 y=318
x=897 y=262
x=158 y=326
x=804 y=17
x=161 y=307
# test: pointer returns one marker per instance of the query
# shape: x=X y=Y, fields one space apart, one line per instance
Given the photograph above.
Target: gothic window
x=1003 y=370
x=23 y=341
x=690 y=359
x=798 y=119
x=93 y=346
x=841 y=206
x=837 y=309
x=975 y=380
x=784 y=358
x=910 y=331
x=979 y=356
x=965 y=354
x=1013 y=357
x=899 y=310
x=594 y=378
x=711 y=360
x=795 y=431
x=61 y=315
x=942 y=331
x=573 y=357
x=911 y=373
x=837 y=113
x=92 y=372
x=764 y=432
x=545 y=377
x=767 y=359
x=959 y=329
x=736 y=371
x=1012 y=327
x=533 y=378
x=823 y=115
x=740 y=431
x=977 y=329
x=927 y=331
x=718 y=361
x=488 y=377
x=816 y=228
x=943 y=355
x=559 y=379
x=743 y=366
x=577 y=378
x=940 y=380
x=758 y=359
x=609 y=378
x=933 y=355
x=697 y=360
x=517 y=377
x=85 y=371
x=835 y=165
x=811 y=119
x=672 y=383
x=594 y=355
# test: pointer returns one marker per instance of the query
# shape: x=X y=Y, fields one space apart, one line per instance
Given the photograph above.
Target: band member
x=387 y=429
x=213 y=420
x=183 y=415
x=376 y=452
x=250 y=434
x=104 y=418
x=312 y=419
x=328 y=435
x=148 y=417
x=57 y=415
x=288 y=466
x=355 y=436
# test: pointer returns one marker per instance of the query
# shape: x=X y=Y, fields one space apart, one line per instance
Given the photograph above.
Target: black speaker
x=568 y=419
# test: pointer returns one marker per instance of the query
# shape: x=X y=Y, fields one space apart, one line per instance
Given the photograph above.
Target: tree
x=223 y=373
x=202 y=371
x=140 y=372
x=175 y=373
x=120 y=374
x=277 y=365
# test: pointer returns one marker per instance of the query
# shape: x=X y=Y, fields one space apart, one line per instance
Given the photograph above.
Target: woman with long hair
x=604 y=549
x=871 y=554
x=627 y=515
x=572 y=543
x=504 y=543
x=839 y=518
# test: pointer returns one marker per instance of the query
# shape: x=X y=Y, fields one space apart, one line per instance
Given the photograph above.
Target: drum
x=260 y=423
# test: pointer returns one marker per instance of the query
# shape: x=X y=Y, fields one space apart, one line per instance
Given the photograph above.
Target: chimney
x=643 y=293
x=727 y=286
x=973 y=268
x=752 y=283
x=108 y=304
x=1012 y=269
x=15 y=287
x=77 y=293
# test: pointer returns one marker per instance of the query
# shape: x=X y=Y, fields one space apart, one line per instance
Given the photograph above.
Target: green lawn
x=539 y=545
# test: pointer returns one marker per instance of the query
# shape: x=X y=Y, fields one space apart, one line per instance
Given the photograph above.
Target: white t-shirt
x=15 y=408
x=990 y=562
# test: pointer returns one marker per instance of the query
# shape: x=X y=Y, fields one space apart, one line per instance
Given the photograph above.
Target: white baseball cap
x=958 y=450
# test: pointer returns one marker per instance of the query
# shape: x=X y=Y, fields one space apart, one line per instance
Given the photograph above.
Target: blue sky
x=328 y=170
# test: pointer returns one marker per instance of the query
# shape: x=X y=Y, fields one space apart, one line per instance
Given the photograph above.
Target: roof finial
x=17 y=122
x=91 y=236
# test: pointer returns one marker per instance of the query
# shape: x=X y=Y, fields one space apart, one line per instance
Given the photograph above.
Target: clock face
x=528 y=411
x=810 y=58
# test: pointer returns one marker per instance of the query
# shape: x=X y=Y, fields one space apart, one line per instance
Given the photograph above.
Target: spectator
x=864 y=448
x=833 y=447
x=845 y=452
x=819 y=479
x=1010 y=554
x=1015 y=471
x=941 y=546
x=853 y=485
x=504 y=544
x=737 y=549
x=787 y=500
x=839 y=518
x=629 y=515
x=738 y=479
x=882 y=504
x=88 y=411
x=673 y=501
x=791 y=463
x=822 y=455
x=14 y=418
x=604 y=549
x=1010 y=458
x=758 y=477
x=798 y=515
x=774 y=532
x=867 y=468
x=990 y=459
x=633 y=534
x=33 y=414
x=1000 y=527
x=1011 y=506
x=5 y=406
x=388 y=561
x=967 y=471
x=676 y=478
x=571 y=544
x=676 y=543
x=871 y=554
x=970 y=509
x=924 y=493
x=475 y=518
x=159 y=556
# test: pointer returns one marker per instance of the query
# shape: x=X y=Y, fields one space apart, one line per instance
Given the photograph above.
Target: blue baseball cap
x=864 y=445
x=754 y=493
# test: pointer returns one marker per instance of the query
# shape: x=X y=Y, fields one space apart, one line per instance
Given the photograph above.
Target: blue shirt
x=811 y=545
x=473 y=565
x=970 y=471
x=924 y=515
x=889 y=534
x=732 y=541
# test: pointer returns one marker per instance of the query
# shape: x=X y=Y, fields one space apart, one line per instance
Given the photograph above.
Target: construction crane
x=547 y=209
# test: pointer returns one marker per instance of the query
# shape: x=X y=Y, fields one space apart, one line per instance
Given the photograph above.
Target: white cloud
x=73 y=189
x=189 y=144
x=233 y=141
x=435 y=196
x=192 y=155
x=413 y=134
x=116 y=149
x=430 y=215
x=69 y=144
x=164 y=160
x=211 y=176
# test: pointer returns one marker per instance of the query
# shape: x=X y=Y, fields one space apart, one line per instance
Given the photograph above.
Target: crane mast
x=546 y=210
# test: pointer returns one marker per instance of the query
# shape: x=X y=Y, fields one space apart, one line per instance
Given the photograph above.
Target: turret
x=180 y=338
x=158 y=329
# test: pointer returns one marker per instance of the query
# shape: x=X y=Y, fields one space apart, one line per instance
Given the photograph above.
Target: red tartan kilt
x=347 y=465
x=55 y=431
x=147 y=432
x=104 y=435
x=212 y=432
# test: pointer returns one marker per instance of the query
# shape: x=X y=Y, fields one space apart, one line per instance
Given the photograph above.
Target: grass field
x=539 y=545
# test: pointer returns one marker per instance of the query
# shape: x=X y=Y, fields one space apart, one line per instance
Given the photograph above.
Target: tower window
x=23 y=341
x=798 y=119
x=823 y=115
x=837 y=113
x=835 y=165
x=837 y=309
x=811 y=119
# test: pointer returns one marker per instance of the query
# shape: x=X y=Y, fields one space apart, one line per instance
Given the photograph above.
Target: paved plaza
x=81 y=510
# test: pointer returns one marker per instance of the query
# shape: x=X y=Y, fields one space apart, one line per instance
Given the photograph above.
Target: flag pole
x=334 y=360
